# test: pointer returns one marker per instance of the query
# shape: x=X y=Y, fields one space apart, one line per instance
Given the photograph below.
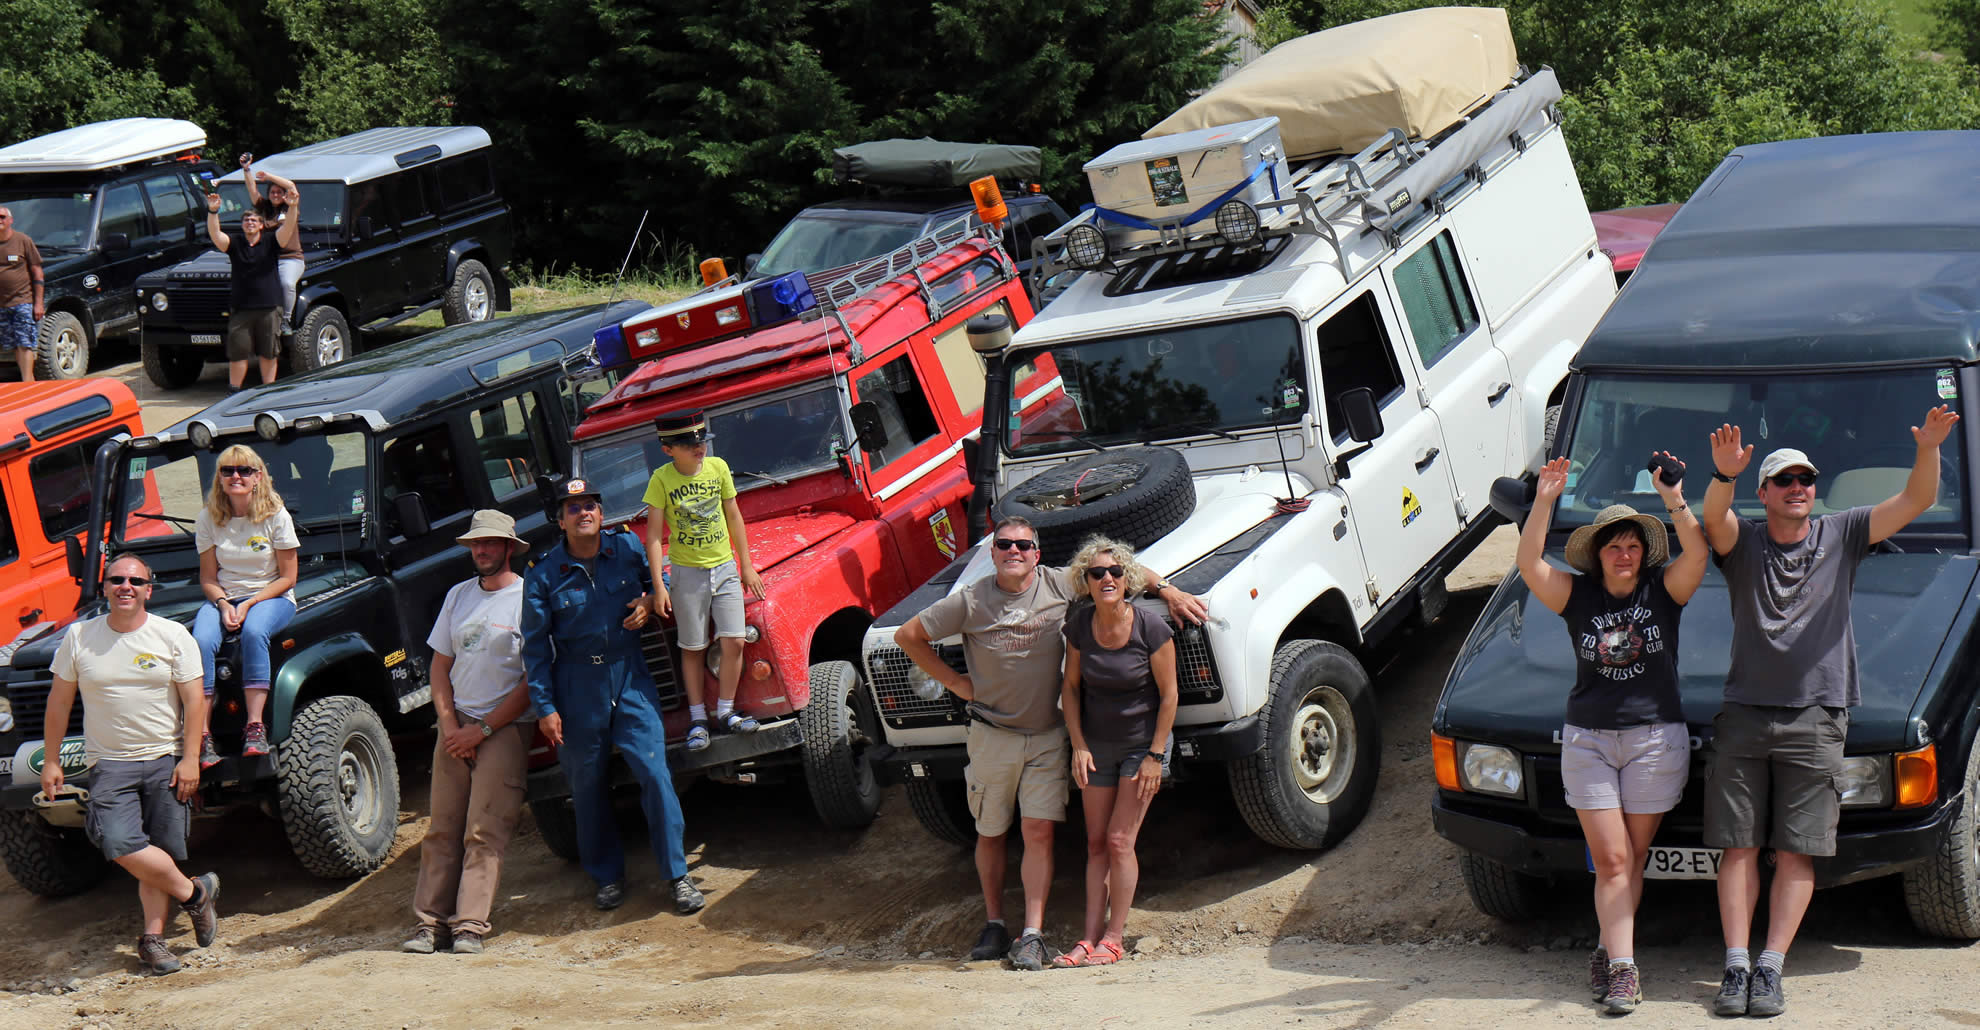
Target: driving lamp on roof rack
x=267 y=426
x=709 y=316
x=200 y=433
x=1086 y=248
x=1237 y=221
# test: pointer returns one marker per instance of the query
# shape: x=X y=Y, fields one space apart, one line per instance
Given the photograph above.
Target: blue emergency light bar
x=710 y=316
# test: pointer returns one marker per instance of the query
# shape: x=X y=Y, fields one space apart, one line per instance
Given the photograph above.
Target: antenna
x=630 y=247
x=1288 y=504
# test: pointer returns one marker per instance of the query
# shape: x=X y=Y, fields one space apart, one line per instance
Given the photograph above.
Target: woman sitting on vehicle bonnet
x=247 y=569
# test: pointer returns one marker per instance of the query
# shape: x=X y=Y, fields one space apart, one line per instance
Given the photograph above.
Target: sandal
x=1106 y=953
x=697 y=737
x=1076 y=957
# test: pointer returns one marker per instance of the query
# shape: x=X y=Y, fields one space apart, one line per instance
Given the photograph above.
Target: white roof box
x=1338 y=91
x=87 y=148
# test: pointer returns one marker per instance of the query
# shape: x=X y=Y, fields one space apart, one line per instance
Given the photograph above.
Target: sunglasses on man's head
x=136 y=581
x=580 y=507
x=1097 y=573
x=1786 y=479
x=1007 y=544
x=240 y=471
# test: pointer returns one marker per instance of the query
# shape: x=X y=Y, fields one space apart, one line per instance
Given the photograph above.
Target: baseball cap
x=1785 y=458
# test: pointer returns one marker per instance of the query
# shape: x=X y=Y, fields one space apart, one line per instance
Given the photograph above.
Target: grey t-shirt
x=1012 y=644
x=1793 y=644
x=1118 y=699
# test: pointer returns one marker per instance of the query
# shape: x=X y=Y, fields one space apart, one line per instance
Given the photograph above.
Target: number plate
x=1678 y=864
x=7 y=766
x=206 y=337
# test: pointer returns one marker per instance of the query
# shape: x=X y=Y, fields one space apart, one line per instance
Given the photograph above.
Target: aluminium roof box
x=1340 y=90
x=932 y=163
x=371 y=154
x=100 y=145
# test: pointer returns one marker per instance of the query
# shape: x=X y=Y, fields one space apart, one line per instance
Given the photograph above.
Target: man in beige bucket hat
x=481 y=700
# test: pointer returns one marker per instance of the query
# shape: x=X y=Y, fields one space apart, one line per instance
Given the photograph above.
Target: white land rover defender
x=1291 y=386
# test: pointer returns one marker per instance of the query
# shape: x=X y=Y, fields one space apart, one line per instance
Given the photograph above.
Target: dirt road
x=808 y=927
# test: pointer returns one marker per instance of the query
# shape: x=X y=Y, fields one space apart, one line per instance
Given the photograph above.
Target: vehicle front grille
x=887 y=670
x=656 y=642
x=198 y=305
x=28 y=694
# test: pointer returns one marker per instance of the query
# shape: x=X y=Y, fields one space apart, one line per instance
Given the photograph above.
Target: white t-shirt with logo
x=245 y=550
x=481 y=631
x=131 y=709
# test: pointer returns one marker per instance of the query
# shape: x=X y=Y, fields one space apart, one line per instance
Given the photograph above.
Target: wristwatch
x=1160 y=756
x=1722 y=477
x=486 y=730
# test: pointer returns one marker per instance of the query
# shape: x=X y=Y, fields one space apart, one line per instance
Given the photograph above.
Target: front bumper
x=172 y=336
x=736 y=751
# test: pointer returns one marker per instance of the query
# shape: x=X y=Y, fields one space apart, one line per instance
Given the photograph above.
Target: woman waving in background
x=247 y=569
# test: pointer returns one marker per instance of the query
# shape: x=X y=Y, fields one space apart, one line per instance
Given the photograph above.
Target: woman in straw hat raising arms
x=1625 y=750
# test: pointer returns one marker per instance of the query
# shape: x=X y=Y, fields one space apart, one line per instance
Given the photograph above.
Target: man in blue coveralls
x=584 y=602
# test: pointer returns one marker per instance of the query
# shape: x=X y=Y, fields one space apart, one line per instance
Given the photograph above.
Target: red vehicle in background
x=847 y=427
x=1625 y=234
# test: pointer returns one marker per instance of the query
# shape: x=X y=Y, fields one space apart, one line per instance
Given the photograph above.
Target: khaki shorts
x=1640 y=770
x=1007 y=769
x=1774 y=779
x=251 y=334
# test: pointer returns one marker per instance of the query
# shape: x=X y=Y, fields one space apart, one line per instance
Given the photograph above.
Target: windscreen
x=320 y=476
x=814 y=243
x=322 y=205
x=53 y=219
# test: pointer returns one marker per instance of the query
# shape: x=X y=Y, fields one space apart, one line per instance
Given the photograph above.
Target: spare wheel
x=1136 y=495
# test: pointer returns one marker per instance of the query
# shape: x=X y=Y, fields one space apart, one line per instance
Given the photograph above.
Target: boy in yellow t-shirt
x=692 y=519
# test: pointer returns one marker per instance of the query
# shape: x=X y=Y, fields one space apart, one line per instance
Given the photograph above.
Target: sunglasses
x=136 y=581
x=240 y=471
x=1017 y=545
x=1786 y=479
x=579 y=507
x=1100 y=572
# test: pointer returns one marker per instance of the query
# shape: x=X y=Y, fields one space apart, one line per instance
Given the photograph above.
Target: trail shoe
x=610 y=896
x=466 y=942
x=425 y=940
x=1625 y=990
x=204 y=908
x=156 y=958
x=737 y=722
x=697 y=738
x=254 y=740
x=1767 y=998
x=208 y=755
x=993 y=942
x=1732 y=992
x=1028 y=953
x=687 y=897
x=1598 y=973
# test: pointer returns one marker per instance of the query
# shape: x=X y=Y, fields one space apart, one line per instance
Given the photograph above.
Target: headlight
x=158 y=301
x=751 y=634
x=1866 y=782
x=1490 y=769
x=923 y=685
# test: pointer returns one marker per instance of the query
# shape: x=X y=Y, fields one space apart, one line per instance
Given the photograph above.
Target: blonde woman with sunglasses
x=247 y=569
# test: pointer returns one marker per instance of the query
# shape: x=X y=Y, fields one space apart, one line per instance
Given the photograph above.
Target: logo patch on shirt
x=257 y=544
x=147 y=661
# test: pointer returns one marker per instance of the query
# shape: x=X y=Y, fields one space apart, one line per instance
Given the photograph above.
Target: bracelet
x=1722 y=477
x=1679 y=508
x=1160 y=756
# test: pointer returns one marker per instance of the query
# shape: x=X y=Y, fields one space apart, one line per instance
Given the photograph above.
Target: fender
x=472 y=247
x=296 y=673
x=320 y=293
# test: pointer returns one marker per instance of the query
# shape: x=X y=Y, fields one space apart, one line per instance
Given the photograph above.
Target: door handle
x=155 y=254
x=1498 y=393
x=1424 y=461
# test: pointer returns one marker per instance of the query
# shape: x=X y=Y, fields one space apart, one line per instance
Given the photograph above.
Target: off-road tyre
x=471 y=296
x=942 y=808
x=324 y=338
x=556 y=823
x=61 y=347
x=1501 y=893
x=1299 y=791
x=838 y=740
x=173 y=368
x=1943 y=892
x=1155 y=495
x=52 y=861
x=338 y=787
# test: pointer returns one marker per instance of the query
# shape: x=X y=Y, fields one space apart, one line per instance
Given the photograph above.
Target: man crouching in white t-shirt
x=143 y=709
x=482 y=702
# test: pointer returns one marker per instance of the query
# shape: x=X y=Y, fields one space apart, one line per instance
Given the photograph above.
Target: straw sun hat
x=1581 y=542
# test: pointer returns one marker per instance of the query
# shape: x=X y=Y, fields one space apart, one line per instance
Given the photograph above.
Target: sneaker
x=610 y=896
x=205 y=913
x=1767 y=998
x=687 y=897
x=425 y=940
x=208 y=756
x=1028 y=953
x=697 y=738
x=737 y=722
x=1625 y=989
x=993 y=942
x=1598 y=973
x=466 y=942
x=1732 y=993
x=156 y=958
x=254 y=740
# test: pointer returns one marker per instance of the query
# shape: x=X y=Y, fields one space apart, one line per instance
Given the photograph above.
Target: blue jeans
x=264 y=620
x=586 y=756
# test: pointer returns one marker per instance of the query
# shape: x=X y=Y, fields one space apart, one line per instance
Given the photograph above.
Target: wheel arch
x=74 y=305
x=473 y=249
x=342 y=664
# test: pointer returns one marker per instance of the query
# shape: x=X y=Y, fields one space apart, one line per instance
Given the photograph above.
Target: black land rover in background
x=1818 y=293
x=396 y=222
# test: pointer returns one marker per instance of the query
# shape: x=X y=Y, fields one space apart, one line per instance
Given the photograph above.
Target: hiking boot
x=737 y=722
x=1625 y=989
x=254 y=740
x=1732 y=992
x=1767 y=998
x=1598 y=973
x=610 y=896
x=993 y=942
x=697 y=738
x=425 y=940
x=687 y=897
x=1028 y=953
x=155 y=957
x=466 y=942
x=205 y=911
x=208 y=756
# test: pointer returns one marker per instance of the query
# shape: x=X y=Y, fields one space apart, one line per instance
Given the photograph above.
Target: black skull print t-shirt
x=1625 y=651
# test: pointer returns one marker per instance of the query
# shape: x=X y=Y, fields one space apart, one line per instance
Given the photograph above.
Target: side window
x=123 y=210
x=169 y=203
x=579 y=397
x=1354 y=351
x=464 y=180
x=904 y=411
x=410 y=197
x=370 y=200
x=1028 y=223
x=61 y=485
x=512 y=443
x=1435 y=298
x=10 y=549
x=962 y=366
x=422 y=463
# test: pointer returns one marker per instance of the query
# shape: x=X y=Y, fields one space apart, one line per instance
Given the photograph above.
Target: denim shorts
x=1113 y=763
x=1641 y=770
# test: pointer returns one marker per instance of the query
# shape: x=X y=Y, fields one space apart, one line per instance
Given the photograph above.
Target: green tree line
x=718 y=119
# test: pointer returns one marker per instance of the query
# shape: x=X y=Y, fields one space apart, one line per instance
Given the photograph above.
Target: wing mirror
x=1364 y=423
x=116 y=241
x=410 y=508
x=361 y=227
x=867 y=428
x=1512 y=498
